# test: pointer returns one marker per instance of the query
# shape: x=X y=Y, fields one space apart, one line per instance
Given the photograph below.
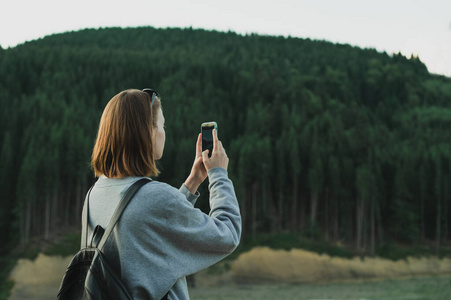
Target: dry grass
x=44 y=269
x=38 y=279
x=287 y=271
x=263 y=264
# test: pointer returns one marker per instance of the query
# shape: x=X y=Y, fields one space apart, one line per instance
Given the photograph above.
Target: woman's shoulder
x=156 y=195
x=160 y=188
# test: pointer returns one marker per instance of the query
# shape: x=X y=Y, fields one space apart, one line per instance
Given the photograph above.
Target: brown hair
x=124 y=145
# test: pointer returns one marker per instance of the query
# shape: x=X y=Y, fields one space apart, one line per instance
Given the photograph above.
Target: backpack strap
x=84 y=220
x=120 y=209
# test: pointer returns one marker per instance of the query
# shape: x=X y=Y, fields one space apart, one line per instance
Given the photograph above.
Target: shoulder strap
x=84 y=220
x=121 y=207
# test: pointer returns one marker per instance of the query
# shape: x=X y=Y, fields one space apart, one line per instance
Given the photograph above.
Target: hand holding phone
x=207 y=136
x=217 y=157
x=198 y=172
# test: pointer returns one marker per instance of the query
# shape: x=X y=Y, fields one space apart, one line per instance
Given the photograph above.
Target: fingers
x=205 y=156
x=217 y=144
x=219 y=156
x=198 y=165
x=220 y=147
x=199 y=145
x=215 y=140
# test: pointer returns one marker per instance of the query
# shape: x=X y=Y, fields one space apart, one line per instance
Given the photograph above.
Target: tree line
x=328 y=140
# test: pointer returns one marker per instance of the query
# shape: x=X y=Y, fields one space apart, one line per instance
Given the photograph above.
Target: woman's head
x=131 y=136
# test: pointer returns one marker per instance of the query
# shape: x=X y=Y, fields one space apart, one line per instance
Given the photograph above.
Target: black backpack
x=89 y=276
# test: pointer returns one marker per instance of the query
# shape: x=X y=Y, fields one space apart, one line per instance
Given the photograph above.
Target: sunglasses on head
x=152 y=94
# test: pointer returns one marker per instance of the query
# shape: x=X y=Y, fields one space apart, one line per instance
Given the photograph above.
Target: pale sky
x=422 y=28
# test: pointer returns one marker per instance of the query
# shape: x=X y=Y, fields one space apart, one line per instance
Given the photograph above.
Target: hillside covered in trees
x=330 y=141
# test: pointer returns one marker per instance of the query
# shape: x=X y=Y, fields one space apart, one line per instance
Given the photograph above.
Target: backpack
x=89 y=275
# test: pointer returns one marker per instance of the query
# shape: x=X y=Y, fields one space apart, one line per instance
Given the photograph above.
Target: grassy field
x=39 y=279
x=268 y=274
x=426 y=288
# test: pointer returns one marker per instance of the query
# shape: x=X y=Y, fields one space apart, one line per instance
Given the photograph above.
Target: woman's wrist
x=192 y=184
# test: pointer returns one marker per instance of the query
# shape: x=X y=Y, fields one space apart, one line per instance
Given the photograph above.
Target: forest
x=325 y=140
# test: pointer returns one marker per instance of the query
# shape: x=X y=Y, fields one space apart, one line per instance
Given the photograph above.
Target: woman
x=161 y=237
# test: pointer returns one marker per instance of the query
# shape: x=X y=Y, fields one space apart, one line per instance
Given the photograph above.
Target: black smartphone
x=207 y=136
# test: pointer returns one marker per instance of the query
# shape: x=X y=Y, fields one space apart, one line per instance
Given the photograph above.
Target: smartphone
x=207 y=136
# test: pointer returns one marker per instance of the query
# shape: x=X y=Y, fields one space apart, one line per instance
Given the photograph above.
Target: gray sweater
x=161 y=237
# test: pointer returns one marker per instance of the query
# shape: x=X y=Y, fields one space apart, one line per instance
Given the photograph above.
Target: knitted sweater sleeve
x=196 y=240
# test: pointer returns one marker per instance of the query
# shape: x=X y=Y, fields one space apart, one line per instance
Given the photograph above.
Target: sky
x=412 y=27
